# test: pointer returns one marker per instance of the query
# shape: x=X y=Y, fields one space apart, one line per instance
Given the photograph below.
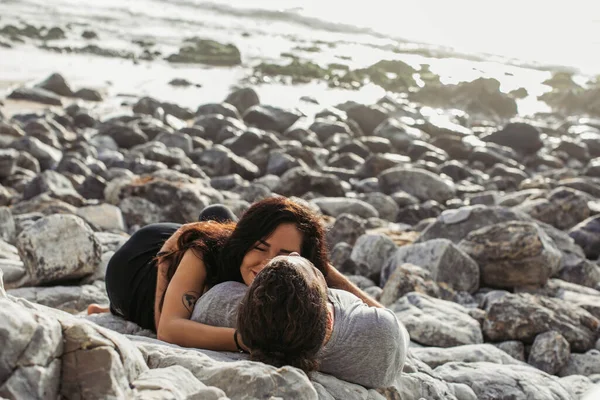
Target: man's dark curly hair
x=283 y=317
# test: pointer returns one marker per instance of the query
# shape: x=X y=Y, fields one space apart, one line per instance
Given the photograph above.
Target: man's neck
x=330 y=322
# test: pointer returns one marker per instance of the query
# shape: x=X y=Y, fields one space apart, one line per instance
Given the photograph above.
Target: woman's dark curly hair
x=283 y=317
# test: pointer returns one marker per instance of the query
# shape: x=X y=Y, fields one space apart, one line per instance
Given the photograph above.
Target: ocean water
x=516 y=42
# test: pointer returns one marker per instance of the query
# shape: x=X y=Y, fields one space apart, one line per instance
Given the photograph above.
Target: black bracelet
x=235 y=339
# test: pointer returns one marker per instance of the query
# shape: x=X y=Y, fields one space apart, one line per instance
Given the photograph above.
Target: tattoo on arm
x=189 y=299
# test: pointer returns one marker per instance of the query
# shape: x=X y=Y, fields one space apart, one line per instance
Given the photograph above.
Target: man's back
x=367 y=346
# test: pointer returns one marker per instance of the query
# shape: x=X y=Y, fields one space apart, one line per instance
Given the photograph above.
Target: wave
x=289 y=16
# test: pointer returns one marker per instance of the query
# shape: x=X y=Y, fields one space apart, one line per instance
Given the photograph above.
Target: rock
x=225 y=109
x=203 y=51
x=367 y=117
x=435 y=322
x=369 y=254
x=346 y=228
x=140 y=211
x=409 y=278
x=120 y=325
x=222 y=161
x=524 y=316
x=587 y=235
x=243 y=99
x=577 y=385
x=550 y=352
x=512 y=254
x=564 y=208
x=14 y=272
x=44 y=205
x=79 y=255
x=47 y=156
x=417 y=182
x=88 y=94
x=71 y=299
x=253 y=380
x=30 y=363
x=445 y=261
x=377 y=163
x=436 y=356
x=298 y=181
x=339 y=256
x=335 y=206
x=580 y=271
x=385 y=205
x=51 y=182
x=513 y=348
x=36 y=95
x=57 y=84
x=492 y=381
x=173 y=382
x=7 y=226
x=8 y=162
x=104 y=216
x=126 y=136
x=522 y=137
x=582 y=364
x=271 y=118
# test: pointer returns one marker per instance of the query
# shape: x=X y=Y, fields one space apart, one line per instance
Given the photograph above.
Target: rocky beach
x=475 y=221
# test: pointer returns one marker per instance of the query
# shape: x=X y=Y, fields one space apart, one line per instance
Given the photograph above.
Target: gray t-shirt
x=368 y=345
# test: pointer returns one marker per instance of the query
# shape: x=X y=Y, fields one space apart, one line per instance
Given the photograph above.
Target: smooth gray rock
x=339 y=389
x=120 y=325
x=420 y=183
x=336 y=206
x=435 y=322
x=369 y=254
x=104 y=216
x=550 y=352
x=37 y=95
x=174 y=382
x=513 y=348
x=347 y=228
x=577 y=385
x=8 y=229
x=139 y=211
x=385 y=205
x=71 y=299
x=443 y=259
x=111 y=241
x=48 y=156
x=582 y=364
x=14 y=271
x=512 y=254
x=79 y=252
x=436 y=356
x=492 y=381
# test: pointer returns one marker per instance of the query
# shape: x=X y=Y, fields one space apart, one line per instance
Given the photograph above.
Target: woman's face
x=285 y=239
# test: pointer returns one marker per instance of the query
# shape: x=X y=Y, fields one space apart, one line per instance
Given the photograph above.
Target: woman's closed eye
x=260 y=248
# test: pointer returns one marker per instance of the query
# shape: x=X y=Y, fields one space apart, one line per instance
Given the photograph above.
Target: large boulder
x=550 y=352
x=369 y=254
x=443 y=259
x=418 y=182
x=435 y=322
x=79 y=249
x=512 y=254
x=524 y=316
x=492 y=381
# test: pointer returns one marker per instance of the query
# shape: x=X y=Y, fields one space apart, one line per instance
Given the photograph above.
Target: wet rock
x=243 y=99
x=370 y=252
x=436 y=356
x=587 y=235
x=367 y=117
x=524 y=316
x=203 y=51
x=418 y=182
x=512 y=254
x=335 y=206
x=582 y=364
x=36 y=95
x=550 y=352
x=88 y=94
x=445 y=261
x=435 y=322
x=71 y=299
x=488 y=381
x=271 y=118
x=57 y=84
x=79 y=255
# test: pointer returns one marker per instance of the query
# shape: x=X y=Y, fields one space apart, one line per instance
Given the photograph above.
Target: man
x=360 y=344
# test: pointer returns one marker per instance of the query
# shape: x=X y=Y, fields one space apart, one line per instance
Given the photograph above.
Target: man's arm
x=336 y=280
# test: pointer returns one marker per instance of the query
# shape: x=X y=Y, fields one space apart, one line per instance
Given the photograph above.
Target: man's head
x=284 y=316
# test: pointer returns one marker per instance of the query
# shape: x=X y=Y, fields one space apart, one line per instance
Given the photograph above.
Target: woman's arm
x=336 y=280
x=174 y=325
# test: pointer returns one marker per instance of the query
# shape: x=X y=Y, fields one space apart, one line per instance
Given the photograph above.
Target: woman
x=159 y=293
